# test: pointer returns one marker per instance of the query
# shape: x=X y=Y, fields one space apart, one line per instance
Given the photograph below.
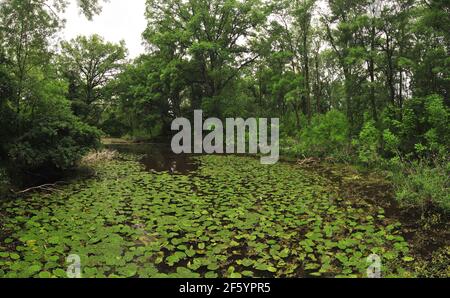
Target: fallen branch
x=44 y=187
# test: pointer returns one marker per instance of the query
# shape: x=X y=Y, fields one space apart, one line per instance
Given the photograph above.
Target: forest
x=362 y=92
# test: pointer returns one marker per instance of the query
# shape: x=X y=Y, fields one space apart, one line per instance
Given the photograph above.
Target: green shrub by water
x=327 y=135
x=52 y=138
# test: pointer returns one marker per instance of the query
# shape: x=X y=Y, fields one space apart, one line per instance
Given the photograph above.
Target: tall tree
x=91 y=63
x=352 y=33
x=303 y=12
x=214 y=36
x=26 y=27
x=40 y=130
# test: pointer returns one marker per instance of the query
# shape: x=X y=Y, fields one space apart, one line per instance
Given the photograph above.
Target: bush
x=367 y=143
x=51 y=137
x=420 y=184
x=326 y=136
x=114 y=127
x=423 y=130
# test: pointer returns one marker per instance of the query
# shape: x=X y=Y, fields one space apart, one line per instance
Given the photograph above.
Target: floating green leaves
x=231 y=218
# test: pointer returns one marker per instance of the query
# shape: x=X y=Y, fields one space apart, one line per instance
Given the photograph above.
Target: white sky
x=120 y=19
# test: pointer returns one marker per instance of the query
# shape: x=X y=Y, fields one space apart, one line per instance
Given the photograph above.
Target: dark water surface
x=159 y=157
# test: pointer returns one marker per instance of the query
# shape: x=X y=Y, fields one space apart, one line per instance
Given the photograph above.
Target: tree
x=7 y=115
x=429 y=58
x=295 y=17
x=39 y=129
x=26 y=27
x=53 y=139
x=91 y=63
x=146 y=99
x=215 y=37
x=344 y=25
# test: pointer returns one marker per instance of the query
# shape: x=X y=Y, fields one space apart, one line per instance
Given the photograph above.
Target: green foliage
x=423 y=130
x=7 y=115
x=368 y=143
x=89 y=64
x=54 y=138
x=196 y=58
x=142 y=109
x=242 y=221
x=113 y=126
x=232 y=59
x=38 y=130
x=90 y=7
x=391 y=142
x=327 y=135
x=419 y=184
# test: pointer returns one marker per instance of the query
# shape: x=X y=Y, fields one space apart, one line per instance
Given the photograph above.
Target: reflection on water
x=159 y=157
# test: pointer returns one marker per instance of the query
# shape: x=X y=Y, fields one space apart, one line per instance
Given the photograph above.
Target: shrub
x=391 y=142
x=420 y=184
x=367 y=143
x=423 y=130
x=114 y=127
x=7 y=115
x=51 y=138
x=326 y=136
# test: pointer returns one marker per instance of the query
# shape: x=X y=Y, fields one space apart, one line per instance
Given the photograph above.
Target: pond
x=158 y=157
x=150 y=213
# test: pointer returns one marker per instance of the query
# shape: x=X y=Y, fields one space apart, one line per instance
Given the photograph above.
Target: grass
x=419 y=184
x=94 y=157
x=230 y=218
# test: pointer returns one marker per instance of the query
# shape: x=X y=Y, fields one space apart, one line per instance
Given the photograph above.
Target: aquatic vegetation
x=232 y=217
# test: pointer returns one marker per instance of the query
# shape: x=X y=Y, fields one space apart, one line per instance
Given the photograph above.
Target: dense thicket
x=39 y=132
